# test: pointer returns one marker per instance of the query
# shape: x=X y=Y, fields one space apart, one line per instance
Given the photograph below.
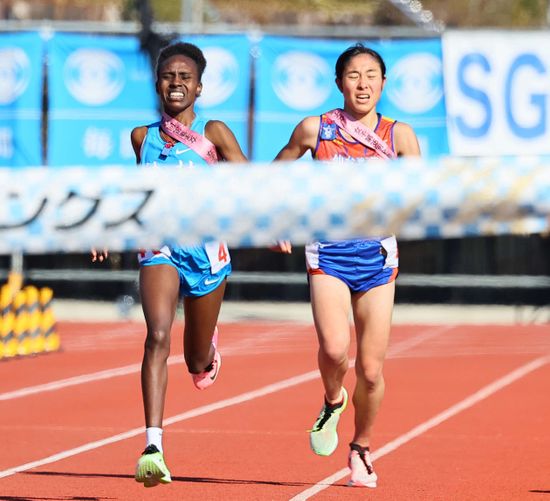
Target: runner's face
x=361 y=84
x=178 y=84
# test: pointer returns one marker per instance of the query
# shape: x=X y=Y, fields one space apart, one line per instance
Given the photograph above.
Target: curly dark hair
x=182 y=49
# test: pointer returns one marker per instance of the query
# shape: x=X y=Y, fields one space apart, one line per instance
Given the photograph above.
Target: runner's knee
x=334 y=354
x=370 y=373
x=158 y=341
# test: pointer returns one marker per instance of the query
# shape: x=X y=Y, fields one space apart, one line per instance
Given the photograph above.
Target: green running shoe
x=323 y=437
x=151 y=468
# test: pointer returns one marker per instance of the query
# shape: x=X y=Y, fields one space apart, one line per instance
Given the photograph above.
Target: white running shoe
x=360 y=464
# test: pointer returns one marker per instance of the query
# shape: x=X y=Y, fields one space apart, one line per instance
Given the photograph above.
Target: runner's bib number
x=218 y=255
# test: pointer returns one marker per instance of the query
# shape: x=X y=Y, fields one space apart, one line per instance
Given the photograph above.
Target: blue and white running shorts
x=201 y=269
x=360 y=264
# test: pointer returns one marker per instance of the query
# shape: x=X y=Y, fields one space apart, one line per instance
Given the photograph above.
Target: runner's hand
x=100 y=255
x=283 y=246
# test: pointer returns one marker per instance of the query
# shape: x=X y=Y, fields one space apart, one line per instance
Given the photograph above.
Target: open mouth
x=175 y=96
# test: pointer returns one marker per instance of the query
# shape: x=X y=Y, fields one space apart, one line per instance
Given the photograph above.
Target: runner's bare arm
x=303 y=138
x=224 y=140
x=137 y=136
x=406 y=142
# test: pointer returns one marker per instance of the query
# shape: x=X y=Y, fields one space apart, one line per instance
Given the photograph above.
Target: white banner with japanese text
x=125 y=208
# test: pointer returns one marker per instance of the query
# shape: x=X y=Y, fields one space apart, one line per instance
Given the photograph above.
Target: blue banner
x=226 y=82
x=100 y=88
x=414 y=90
x=21 y=65
x=295 y=79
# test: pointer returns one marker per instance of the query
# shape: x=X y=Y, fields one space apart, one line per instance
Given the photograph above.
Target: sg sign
x=497 y=87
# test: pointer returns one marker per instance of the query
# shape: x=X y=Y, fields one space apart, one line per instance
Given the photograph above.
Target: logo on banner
x=220 y=78
x=6 y=142
x=415 y=83
x=94 y=76
x=15 y=74
x=97 y=143
x=302 y=80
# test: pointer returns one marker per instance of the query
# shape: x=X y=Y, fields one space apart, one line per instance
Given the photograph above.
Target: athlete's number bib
x=392 y=255
x=218 y=255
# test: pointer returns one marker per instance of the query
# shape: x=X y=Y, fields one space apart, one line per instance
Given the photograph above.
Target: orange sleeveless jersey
x=332 y=145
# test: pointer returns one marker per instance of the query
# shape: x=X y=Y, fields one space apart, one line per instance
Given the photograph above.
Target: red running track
x=465 y=417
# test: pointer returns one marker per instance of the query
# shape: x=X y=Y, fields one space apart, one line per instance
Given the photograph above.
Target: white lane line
x=422 y=428
x=76 y=380
x=244 y=397
x=199 y=411
x=177 y=359
x=413 y=341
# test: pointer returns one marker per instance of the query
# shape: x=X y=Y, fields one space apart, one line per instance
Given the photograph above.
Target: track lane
x=232 y=452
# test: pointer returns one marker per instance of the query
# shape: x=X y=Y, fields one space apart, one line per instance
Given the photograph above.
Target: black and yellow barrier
x=8 y=342
x=27 y=320
x=48 y=325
